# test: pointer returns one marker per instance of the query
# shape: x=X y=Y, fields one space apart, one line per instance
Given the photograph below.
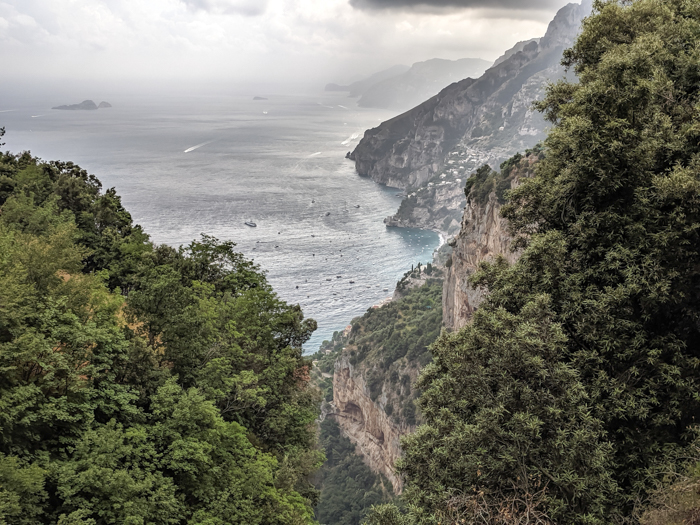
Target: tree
x=609 y=227
x=140 y=383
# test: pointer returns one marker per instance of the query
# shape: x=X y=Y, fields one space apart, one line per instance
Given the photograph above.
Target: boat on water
x=357 y=205
x=250 y=223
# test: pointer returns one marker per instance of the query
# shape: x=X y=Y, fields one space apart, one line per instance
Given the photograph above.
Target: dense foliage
x=388 y=345
x=140 y=383
x=572 y=397
x=348 y=487
x=485 y=181
x=401 y=328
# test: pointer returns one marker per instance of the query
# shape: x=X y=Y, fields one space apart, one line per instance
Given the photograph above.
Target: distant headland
x=85 y=104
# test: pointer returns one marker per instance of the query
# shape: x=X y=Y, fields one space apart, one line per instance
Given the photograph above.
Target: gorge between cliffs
x=453 y=157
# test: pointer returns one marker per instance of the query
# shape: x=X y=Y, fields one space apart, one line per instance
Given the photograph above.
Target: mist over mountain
x=421 y=81
x=401 y=87
x=357 y=88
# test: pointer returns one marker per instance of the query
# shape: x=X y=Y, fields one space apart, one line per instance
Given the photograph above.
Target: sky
x=248 y=41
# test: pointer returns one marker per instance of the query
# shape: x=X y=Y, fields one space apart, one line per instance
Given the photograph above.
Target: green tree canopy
x=141 y=384
x=580 y=368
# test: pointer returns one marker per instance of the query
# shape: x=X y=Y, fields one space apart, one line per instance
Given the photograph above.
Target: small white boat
x=250 y=223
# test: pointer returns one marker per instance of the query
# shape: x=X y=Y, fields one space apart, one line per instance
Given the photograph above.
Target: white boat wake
x=342 y=107
x=37 y=116
x=315 y=154
x=6 y=110
x=350 y=138
x=197 y=146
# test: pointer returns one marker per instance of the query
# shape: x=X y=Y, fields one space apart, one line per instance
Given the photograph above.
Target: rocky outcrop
x=517 y=48
x=437 y=207
x=483 y=236
x=365 y=422
x=375 y=365
x=491 y=116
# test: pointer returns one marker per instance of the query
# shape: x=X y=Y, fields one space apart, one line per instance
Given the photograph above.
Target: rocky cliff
x=375 y=363
x=365 y=421
x=490 y=118
x=482 y=237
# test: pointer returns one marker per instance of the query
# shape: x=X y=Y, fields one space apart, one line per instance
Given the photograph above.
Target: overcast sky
x=252 y=40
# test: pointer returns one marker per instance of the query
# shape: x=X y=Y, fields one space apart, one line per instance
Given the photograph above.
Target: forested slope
x=141 y=383
x=571 y=397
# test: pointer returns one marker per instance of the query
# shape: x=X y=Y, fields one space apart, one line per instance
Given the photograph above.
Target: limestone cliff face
x=490 y=116
x=365 y=422
x=375 y=366
x=483 y=236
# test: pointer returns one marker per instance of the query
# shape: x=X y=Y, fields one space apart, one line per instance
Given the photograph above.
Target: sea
x=191 y=164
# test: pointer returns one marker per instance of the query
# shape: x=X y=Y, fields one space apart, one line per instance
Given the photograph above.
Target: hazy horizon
x=76 y=49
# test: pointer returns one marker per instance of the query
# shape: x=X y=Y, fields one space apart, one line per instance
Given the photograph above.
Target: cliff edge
x=483 y=236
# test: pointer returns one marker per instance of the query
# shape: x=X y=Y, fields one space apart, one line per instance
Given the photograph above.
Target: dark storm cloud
x=450 y=5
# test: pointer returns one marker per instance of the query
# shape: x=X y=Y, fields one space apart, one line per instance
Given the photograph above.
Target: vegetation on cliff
x=572 y=395
x=139 y=383
x=388 y=345
x=485 y=180
x=348 y=487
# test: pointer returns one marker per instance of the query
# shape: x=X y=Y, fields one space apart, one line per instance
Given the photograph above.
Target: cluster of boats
x=253 y=225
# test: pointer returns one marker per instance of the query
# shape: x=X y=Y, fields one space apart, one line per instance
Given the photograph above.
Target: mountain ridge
x=491 y=116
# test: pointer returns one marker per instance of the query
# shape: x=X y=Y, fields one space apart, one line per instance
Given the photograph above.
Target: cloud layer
x=186 y=41
x=447 y=5
x=230 y=7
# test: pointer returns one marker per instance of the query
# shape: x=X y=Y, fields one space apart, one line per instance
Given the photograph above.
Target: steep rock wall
x=365 y=422
x=483 y=236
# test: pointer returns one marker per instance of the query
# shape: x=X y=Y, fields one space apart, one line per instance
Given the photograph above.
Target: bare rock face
x=490 y=116
x=365 y=422
x=484 y=235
